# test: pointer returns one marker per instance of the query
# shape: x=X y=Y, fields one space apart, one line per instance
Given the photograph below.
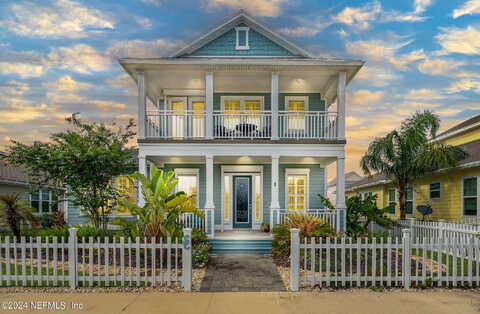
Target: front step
x=241 y=246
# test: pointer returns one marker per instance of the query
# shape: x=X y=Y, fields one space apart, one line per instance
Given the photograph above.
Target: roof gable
x=221 y=41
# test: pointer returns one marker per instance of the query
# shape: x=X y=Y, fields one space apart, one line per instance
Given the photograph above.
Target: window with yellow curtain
x=233 y=107
x=296 y=108
x=178 y=107
x=198 y=121
x=297 y=192
x=125 y=188
x=188 y=184
x=251 y=106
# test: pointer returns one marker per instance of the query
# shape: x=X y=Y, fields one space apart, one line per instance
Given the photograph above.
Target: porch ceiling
x=240 y=160
x=171 y=76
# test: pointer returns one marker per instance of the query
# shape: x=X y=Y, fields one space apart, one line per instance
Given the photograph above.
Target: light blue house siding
x=75 y=216
x=225 y=46
x=315 y=101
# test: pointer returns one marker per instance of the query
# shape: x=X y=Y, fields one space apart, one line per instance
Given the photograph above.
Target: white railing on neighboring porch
x=205 y=223
x=175 y=124
x=178 y=124
x=242 y=124
x=279 y=216
x=307 y=124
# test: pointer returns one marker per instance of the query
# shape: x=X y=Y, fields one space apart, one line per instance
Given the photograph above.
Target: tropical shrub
x=305 y=223
x=58 y=219
x=46 y=220
x=200 y=254
x=159 y=217
x=199 y=237
x=14 y=212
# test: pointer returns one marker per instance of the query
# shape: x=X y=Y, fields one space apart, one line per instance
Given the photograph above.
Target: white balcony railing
x=244 y=124
x=307 y=124
x=175 y=124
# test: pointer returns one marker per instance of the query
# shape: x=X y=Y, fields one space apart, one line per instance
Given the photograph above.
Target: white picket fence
x=388 y=262
x=89 y=262
x=431 y=229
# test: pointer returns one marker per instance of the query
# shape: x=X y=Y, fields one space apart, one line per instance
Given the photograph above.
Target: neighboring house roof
x=350 y=177
x=241 y=17
x=473 y=160
x=12 y=175
x=464 y=126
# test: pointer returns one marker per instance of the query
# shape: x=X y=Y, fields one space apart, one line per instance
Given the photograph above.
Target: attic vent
x=242 y=38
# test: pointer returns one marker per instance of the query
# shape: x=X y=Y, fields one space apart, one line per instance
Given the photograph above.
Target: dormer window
x=242 y=38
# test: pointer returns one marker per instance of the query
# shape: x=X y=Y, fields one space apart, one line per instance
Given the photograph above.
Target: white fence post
x=187 y=259
x=72 y=258
x=406 y=257
x=441 y=230
x=294 y=259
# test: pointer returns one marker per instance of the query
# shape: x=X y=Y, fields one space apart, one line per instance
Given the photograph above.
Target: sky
x=58 y=57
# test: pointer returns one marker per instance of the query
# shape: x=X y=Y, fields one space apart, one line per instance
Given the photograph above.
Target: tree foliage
x=81 y=161
x=408 y=153
x=160 y=217
x=15 y=212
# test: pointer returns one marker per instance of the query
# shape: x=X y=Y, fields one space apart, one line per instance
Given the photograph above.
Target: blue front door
x=242 y=202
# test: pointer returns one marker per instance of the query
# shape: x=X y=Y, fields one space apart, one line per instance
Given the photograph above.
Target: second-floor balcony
x=227 y=124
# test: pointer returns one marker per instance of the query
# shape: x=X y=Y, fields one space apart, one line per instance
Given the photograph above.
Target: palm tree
x=408 y=153
x=15 y=211
x=159 y=217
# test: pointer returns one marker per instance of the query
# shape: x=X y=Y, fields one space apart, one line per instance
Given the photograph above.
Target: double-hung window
x=242 y=111
x=297 y=189
x=125 y=187
x=409 y=209
x=187 y=116
x=391 y=201
x=44 y=201
x=188 y=182
x=295 y=107
x=471 y=196
x=435 y=190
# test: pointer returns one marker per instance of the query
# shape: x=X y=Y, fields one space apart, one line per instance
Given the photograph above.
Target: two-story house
x=245 y=118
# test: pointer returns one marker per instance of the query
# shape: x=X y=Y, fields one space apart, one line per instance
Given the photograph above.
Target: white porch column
x=142 y=168
x=141 y=104
x=209 y=104
x=342 y=80
x=274 y=105
x=274 y=203
x=340 y=201
x=209 y=182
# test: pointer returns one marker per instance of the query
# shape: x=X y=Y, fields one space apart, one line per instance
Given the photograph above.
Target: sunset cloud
x=468 y=8
x=79 y=58
x=54 y=19
x=459 y=40
x=258 y=7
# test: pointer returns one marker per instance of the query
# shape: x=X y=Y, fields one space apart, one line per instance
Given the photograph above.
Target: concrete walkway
x=341 y=302
x=241 y=272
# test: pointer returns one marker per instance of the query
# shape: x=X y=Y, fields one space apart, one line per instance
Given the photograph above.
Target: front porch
x=241 y=194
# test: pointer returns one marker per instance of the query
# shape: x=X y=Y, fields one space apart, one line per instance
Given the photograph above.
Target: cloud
x=362 y=17
x=459 y=40
x=143 y=48
x=14 y=88
x=16 y=111
x=123 y=82
x=376 y=75
x=24 y=70
x=464 y=85
x=269 y=8
x=438 y=66
x=382 y=51
x=66 y=84
x=144 y=22
x=307 y=28
x=365 y=97
x=79 y=58
x=468 y=8
x=55 y=19
x=107 y=106
x=155 y=3
x=423 y=93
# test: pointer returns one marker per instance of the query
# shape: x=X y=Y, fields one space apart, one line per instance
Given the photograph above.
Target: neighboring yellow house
x=453 y=193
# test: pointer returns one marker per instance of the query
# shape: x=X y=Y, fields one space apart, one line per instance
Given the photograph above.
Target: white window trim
x=394 y=199
x=296 y=172
x=463 y=196
x=296 y=98
x=429 y=191
x=242 y=100
x=237 y=31
x=190 y=172
x=413 y=200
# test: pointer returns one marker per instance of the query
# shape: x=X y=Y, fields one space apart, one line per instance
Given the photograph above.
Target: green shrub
x=92 y=231
x=61 y=232
x=200 y=254
x=46 y=221
x=199 y=237
x=281 y=237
